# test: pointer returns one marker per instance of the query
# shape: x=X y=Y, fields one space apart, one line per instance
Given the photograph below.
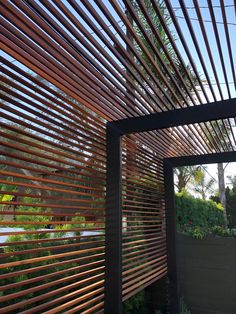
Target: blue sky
x=230 y=13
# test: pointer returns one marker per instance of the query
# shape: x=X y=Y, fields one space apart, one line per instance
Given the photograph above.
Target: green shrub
x=224 y=232
x=196 y=217
x=45 y=249
x=196 y=212
x=138 y=304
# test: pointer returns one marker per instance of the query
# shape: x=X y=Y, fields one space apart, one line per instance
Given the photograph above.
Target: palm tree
x=204 y=186
x=162 y=46
x=186 y=175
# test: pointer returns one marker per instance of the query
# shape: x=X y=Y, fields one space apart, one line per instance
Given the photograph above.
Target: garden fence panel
x=144 y=257
x=52 y=191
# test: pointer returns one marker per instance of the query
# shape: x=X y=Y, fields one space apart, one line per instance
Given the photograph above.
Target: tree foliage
x=203 y=185
x=192 y=211
x=230 y=196
x=185 y=176
x=160 y=48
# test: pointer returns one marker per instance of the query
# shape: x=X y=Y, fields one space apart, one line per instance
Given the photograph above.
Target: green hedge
x=195 y=212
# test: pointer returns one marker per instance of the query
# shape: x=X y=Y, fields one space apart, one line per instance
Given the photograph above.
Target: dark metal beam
x=113 y=237
x=173 y=297
x=202 y=159
x=208 y=112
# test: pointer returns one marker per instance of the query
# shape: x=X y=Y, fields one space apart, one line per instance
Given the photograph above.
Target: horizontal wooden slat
x=79 y=301
x=53 y=293
x=53 y=248
x=145 y=257
x=53 y=283
x=4 y=233
x=144 y=283
x=66 y=297
x=96 y=203
x=50 y=275
x=135 y=283
x=52 y=265
x=77 y=238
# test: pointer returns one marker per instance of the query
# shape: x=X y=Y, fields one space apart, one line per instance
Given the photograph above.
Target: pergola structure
x=99 y=101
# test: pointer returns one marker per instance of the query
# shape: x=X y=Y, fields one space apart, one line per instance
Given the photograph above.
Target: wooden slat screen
x=52 y=189
x=144 y=241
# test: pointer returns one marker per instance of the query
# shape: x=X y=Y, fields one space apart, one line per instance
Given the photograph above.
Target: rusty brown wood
x=68 y=125
x=53 y=248
x=52 y=240
x=56 y=247
x=65 y=297
x=203 y=64
x=6 y=233
x=52 y=265
x=30 y=59
x=140 y=269
x=86 y=304
x=84 y=43
x=146 y=257
x=145 y=250
x=56 y=273
x=47 y=173
x=97 y=203
x=48 y=257
x=51 y=135
x=150 y=277
x=33 y=178
x=64 y=135
x=132 y=282
x=56 y=168
x=123 y=51
x=51 y=293
x=55 y=159
x=66 y=103
x=158 y=54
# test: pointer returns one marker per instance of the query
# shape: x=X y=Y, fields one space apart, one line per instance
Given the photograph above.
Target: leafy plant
x=35 y=217
x=196 y=217
x=35 y=246
x=134 y=303
x=5 y=187
x=224 y=232
x=186 y=175
x=195 y=212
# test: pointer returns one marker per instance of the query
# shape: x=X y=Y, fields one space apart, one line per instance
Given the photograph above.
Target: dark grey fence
x=207 y=274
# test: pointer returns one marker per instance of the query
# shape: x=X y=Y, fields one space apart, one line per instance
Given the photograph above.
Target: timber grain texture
x=207 y=274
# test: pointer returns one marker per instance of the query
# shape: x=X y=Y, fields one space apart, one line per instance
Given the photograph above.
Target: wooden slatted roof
x=131 y=58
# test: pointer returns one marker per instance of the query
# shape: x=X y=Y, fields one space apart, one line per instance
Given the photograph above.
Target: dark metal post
x=171 y=238
x=113 y=239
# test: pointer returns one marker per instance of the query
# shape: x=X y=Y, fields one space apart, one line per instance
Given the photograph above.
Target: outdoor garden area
x=117 y=151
